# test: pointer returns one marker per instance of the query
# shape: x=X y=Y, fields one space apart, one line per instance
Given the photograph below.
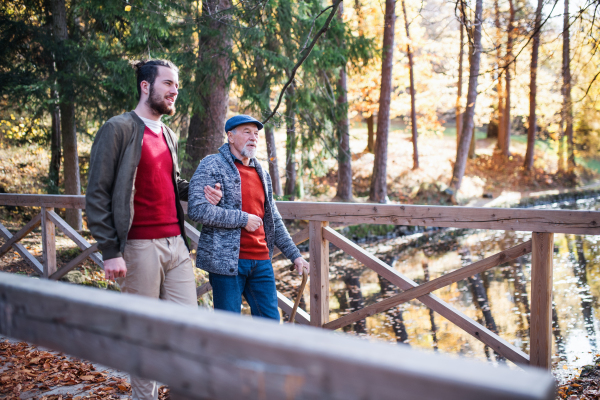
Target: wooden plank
x=513 y=219
x=319 y=274
x=203 y=289
x=286 y=306
x=297 y=238
x=219 y=355
x=283 y=302
x=488 y=337
x=48 y=243
x=23 y=252
x=74 y=262
x=75 y=236
x=193 y=234
x=541 y=300
x=31 y=225
x=42 y=200
x=410 y=294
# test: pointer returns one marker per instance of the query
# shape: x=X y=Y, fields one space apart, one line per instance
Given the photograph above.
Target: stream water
x=498 y=298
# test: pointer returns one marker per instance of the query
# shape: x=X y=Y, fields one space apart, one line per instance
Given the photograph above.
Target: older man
x=240 y=232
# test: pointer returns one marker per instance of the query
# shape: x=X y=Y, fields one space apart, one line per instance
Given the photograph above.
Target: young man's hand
x=301 y=265
x=115 y=268
x=213 y=195
x=254 y=222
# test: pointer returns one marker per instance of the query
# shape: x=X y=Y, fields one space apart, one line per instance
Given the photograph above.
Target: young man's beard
x=157 y=103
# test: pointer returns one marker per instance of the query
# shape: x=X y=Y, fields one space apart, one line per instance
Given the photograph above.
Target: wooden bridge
x=542 y=223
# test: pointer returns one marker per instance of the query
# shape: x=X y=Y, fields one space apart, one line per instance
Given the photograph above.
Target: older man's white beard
x=249 y=152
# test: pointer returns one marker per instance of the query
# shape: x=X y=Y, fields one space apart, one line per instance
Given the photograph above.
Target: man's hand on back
x=301 y=265
x=115 y=268
x=213 y=195
x=254 y=222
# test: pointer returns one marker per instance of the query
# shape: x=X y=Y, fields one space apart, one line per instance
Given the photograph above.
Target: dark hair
x=147 y=70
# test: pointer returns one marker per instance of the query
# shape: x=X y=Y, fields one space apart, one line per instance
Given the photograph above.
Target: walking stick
x=299 y=296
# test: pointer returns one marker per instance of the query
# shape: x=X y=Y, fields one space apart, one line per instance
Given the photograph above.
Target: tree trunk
x=378 y=192
x=184 y=127
x=566 y=89
x=207 y=125
x=509 y=55
x=290 y=144
x=344 y=181
x=273 y=164
x=67 y=115
x=532 y=129
x=460 y=80
x=499 y=85
x=370 y=134
x=468 y=119
x=55 y=149
x=413 y=110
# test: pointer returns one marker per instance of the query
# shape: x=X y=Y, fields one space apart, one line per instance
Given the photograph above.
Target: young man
x=240 y=232
x=132 y=199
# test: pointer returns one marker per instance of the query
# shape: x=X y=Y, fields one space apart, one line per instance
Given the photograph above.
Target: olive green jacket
x=115 y=155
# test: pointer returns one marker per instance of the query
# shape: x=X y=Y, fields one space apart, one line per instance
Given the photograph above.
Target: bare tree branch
x=306 y=52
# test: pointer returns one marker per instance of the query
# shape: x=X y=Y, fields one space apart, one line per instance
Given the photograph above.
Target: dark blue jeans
x=255 y=280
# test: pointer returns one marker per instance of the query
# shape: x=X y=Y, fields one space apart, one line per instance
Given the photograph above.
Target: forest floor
x=31 y=372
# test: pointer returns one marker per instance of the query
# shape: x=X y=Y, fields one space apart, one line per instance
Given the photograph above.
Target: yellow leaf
x=127 y=8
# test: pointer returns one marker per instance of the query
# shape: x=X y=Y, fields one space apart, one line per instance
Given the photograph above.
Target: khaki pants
x=161 y=269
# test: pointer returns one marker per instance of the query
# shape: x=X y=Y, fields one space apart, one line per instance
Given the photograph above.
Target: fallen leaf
x=87 y=377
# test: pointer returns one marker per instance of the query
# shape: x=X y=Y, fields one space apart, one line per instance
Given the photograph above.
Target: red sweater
x=253 y=245
x=155 y=212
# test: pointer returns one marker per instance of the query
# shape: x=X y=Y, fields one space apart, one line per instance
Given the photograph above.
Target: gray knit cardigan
x=219 y=244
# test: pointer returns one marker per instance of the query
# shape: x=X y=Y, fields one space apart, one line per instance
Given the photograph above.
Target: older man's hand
x=254 y=222
x=301 y=265
x=213 y=195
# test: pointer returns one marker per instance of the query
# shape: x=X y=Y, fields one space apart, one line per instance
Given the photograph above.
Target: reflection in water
x=498 y=298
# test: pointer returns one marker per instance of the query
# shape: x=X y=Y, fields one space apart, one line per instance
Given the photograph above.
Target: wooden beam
x=31 y=225
x=286 y=306
x=218 y=355
x=75 y=236
x=193 y=234
x=467 y=324
x=74 y=262
x=297 y=238
x=319 y=274
x=42 y=200
x=540 y=331
x=508 y=219
x=410 y=294
x=203 y=289
x=23 y=252
x=48 y=243
x=513 y=219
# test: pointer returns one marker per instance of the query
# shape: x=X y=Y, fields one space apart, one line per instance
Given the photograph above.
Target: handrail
x=202 y=354
x=509 y=219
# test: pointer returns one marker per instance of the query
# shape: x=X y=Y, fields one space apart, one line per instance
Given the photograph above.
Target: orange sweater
x=253 y=245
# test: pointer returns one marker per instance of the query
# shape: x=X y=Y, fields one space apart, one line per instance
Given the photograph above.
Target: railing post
x=319 y=274
x=540 y=331
x=48 y=243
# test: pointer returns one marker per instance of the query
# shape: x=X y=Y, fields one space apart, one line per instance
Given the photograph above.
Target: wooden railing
x=542 y=223
x=218 y=355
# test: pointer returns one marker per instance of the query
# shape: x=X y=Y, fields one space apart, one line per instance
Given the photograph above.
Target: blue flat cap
x=241 y=119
